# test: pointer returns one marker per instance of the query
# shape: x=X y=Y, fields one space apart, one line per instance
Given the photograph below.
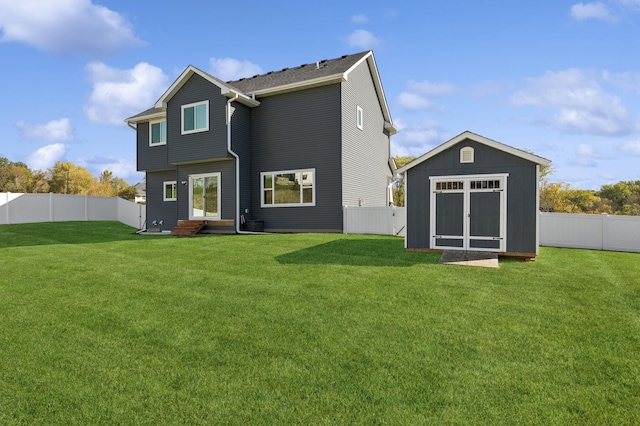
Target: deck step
x=189 y=228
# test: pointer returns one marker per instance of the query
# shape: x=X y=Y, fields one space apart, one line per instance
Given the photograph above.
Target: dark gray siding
x=150 y=157
x=521 y=192
x=241 y=145
x=201 y=146
x=227 y=182
x=157 y=209
x=365 y=153
x=299 y=130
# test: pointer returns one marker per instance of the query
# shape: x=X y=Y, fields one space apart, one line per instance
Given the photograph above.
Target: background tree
x=39 y=182
x=398 y=187
x=14 y=176
x=68 y=178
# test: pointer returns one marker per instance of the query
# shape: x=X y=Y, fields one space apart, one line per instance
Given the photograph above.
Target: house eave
x=149 y=117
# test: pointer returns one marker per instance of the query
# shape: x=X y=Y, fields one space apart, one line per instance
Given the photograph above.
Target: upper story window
x=359 y=117
x=195 y=117
x=466 y=155
x=158 y=132
x=290 y=188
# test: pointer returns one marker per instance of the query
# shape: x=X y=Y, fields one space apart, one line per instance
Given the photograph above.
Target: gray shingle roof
x=299 y=74
x=149 y=112
x=286 y=76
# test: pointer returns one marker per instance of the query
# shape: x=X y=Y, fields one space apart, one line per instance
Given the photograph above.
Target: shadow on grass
x=49 y=233
x=359 y=252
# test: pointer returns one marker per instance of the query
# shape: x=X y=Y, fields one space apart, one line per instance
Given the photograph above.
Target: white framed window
x=466 y=155
x=289 y=188
x=359 y=117
x=195 y=117
x=169 y=191
x=157 y=132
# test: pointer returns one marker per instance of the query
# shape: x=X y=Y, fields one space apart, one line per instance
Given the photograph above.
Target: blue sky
x=561 y=78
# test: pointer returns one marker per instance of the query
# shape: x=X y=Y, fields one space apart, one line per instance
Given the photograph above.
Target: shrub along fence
x=29 y=208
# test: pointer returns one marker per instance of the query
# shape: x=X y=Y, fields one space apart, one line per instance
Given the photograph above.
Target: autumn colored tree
x=398 y=187
x=14 y=176
x=68 y=178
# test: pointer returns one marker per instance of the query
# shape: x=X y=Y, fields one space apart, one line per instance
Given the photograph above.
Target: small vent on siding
x=466 y=155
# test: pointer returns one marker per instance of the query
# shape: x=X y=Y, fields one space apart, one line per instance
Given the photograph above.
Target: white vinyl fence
x=29 y=208
x=590 y=231
x=374 y=220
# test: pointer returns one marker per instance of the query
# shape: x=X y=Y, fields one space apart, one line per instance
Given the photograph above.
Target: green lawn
x=102 y=326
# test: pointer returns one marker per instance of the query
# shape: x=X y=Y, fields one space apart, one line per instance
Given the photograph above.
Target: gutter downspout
x=134 y=128
x=230 y=151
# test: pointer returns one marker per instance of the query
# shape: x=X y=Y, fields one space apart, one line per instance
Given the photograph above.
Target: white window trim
x=164 y=190
x=195 y=104
x=151 y=123
x=283 y=172
x=359 y=117
x=218 y=176
x=465 y=150
x=466 y=191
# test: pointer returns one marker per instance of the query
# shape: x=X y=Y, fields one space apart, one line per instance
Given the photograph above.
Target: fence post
x=605 y=242
x=8 y=215
x=345 y=221
x=51 y=207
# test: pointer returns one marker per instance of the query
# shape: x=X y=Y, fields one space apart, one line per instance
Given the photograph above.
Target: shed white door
x=469 y=212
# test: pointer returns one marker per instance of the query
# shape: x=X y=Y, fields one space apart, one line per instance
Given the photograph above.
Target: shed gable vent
x=466 y=155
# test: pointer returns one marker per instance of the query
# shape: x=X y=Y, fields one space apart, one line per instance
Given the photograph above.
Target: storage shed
x=473 y=193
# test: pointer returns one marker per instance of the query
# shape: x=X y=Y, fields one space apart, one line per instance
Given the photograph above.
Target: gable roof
x=480 y=139
x=226 y=89
x=320 y=73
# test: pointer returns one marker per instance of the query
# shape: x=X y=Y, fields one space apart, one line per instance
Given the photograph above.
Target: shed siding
x=150 y=157
x=227 y=181
x=299 y=130
x=521 y=192
x=365 y=153
x=157 y=209
x=201 y=146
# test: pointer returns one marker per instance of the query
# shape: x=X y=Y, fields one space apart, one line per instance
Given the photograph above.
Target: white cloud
x=65 y=26
x=625 y=80
x=227 y=69
x=359 y=19
x=118 y=94
x=414 y=102
x=632 y=148
x=416 y=138
x=581 y=105
x=585 y=155
x=53 y=131
x=123 y=168
x=585 y=150
x=631 y=4
x=46 y=156
x=363 y=39
x=417 y=97
x=595 y=10
x=431 y=89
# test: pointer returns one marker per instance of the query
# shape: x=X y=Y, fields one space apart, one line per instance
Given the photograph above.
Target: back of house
x=287 y=148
